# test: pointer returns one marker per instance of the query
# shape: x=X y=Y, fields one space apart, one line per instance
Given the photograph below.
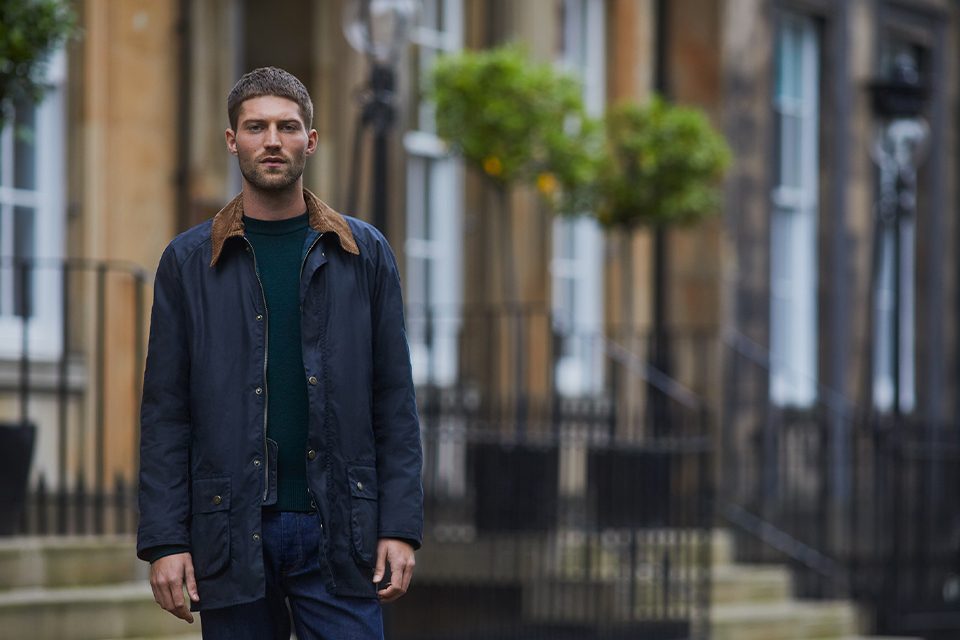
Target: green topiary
x=663 y=166
x=518 y=122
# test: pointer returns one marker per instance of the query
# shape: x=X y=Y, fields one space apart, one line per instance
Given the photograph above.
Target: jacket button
x=256 y=537
x=259 y=316
x=217 y=499
x=258 y=390
x=256 y=462
x=312 y=380
x=311 y=455
x=359 y=486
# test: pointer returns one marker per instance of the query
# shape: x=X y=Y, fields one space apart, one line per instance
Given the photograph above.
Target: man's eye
x=254 y=127
x=289 y=127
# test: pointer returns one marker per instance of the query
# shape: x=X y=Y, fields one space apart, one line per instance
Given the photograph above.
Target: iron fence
x=71 y=365
x=861 y=504
x=567 y=482
x=567 y=533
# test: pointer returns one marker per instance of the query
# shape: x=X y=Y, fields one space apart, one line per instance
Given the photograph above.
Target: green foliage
x=518 y=122
x=663 y=166
x=30 y=30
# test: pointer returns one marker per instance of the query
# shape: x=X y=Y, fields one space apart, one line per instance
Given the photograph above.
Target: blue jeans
x=296 y=576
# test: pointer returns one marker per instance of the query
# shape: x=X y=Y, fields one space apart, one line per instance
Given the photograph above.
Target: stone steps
x=756 y=602
x=96 y=589
x=784 y=620
x=125 y=610
x=750 y=583
x=68 y=561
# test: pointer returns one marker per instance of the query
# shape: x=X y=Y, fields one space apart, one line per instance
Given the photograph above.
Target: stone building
x=781 y=312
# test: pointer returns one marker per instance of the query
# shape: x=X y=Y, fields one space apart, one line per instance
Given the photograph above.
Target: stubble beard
x=265 y=179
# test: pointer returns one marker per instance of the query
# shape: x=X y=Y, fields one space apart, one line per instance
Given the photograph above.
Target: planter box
x=16 y=451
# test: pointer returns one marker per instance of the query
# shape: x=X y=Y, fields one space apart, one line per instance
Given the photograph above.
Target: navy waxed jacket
x=206 y=469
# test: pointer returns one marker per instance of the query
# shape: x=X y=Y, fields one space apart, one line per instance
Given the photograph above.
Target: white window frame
x=48 y=202
x=576 y=265
x=794 y=217
x=434 y=238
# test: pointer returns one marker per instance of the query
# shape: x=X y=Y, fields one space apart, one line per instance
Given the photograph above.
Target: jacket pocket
x=210 y=526
x=363 y=512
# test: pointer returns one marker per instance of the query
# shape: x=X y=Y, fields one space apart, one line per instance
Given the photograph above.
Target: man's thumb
x=192 y=583
x=381 y=562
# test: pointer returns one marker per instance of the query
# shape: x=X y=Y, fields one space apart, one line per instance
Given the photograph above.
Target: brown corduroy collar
x=228 y=223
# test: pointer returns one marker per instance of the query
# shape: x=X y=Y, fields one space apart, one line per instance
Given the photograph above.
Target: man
x=280 y=449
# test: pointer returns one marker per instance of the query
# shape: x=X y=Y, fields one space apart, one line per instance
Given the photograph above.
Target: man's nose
x=273 y=137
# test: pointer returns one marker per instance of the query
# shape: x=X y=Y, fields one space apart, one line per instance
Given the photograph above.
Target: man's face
x=271 y=142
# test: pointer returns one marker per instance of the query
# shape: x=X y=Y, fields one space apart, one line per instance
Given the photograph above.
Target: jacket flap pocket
x=363 y=481
x=211 y=494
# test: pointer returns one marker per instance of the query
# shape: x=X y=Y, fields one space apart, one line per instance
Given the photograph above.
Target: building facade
x=799 y=314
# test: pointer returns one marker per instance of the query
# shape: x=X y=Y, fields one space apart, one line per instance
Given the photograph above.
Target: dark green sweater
x=278 y=248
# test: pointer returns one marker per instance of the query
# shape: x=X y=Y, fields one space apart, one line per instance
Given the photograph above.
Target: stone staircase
x=96 y=589
x=755 y=602
x=80 y=589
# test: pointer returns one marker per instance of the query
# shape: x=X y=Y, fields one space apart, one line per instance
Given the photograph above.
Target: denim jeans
x=295 y=579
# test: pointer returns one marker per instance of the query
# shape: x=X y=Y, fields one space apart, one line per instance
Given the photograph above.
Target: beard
x=265 y=179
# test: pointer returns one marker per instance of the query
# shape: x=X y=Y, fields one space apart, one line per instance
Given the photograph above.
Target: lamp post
x=378 y=29
x=898 y=149
x=900 y=144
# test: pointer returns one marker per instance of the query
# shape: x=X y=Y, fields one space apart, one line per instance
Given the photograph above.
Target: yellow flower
x=492 y=165
x=547 y=183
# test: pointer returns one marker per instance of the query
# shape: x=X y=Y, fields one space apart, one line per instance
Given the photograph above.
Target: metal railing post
x=99 y=426
x=62 y=398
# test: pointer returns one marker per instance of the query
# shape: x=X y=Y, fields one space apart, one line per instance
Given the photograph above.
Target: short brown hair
x=269 y=81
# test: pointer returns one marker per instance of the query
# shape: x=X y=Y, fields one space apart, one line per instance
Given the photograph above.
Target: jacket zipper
x=266 y=351
x=303 y=262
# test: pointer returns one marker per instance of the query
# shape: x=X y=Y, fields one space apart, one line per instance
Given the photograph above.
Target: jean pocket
x=210 y=526
x=363 y=512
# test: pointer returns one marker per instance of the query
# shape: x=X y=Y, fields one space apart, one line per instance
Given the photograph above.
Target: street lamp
x=898 y=149
x=379 y=29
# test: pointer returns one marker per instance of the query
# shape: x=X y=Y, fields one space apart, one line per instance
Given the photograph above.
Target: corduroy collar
x=228 y=223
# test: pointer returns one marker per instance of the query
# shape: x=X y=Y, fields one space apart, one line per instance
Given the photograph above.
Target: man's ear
x=313 y=139
x=231 y=138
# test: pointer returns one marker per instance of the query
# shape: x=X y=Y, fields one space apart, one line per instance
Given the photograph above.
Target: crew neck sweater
x=277 y=249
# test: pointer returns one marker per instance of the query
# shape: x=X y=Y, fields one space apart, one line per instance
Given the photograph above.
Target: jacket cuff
x=153 y=554
x=413 y=541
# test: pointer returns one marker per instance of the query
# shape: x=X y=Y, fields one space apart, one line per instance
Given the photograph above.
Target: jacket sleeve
x=164 y=494
x=395 y=422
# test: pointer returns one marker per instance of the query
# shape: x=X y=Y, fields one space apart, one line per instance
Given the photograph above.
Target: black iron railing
x=568 y=484
x=553 y=513
x=78 y=326
x=860 y=503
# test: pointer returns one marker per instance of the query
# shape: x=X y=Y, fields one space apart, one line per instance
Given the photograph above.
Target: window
x=577 y=265
x=32 y=221
x=434 y=244
x=793 y=224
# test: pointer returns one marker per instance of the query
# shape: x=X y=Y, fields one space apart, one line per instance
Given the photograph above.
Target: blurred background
x=736 y=422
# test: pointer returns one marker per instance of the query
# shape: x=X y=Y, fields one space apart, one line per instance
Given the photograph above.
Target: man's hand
x=167 y=577
x=400 y=556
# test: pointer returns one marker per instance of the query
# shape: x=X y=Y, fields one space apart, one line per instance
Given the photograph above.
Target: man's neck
x=273 y=205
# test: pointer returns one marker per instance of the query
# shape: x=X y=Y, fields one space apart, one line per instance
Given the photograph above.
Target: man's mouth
x=273 y=161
